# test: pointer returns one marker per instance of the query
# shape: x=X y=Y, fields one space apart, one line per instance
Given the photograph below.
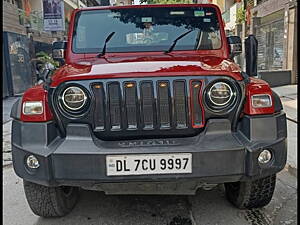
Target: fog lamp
x=265 y=156
x=32 y=162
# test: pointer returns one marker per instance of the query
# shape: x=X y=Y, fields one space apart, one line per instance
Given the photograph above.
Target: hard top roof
x=147 y=6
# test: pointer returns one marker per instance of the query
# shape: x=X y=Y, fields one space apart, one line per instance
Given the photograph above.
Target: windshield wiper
x=177 y=39
x=104 y=47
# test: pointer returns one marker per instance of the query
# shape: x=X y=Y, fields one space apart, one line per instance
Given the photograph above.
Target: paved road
x=205 y=208
x=7 y=105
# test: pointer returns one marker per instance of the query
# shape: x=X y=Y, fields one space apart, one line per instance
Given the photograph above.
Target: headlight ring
x=73 y=100
x=220 y=95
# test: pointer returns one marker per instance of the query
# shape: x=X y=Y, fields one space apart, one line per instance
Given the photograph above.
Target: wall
x=292 y=44
x=276 y=78
x=268 y=7
x=231 y=25
x=36 y=5
x=121 y=2
x=228 y=4
x=11 y=19
x=18 y=69
x=272 y=10
x=232 y=13
x=220 y=3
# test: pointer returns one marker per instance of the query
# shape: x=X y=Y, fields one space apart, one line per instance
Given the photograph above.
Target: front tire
x=251 y=194
x=50 y=201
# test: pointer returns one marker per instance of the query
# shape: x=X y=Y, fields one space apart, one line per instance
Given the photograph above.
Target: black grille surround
x=146 y=107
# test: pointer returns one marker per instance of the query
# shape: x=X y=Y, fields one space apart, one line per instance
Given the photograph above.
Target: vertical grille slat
x=195 y=88
x=99 y=116
x=114 y=105
x=147 y=104
x=164 y=104
x=131 y=104
x=180 y=104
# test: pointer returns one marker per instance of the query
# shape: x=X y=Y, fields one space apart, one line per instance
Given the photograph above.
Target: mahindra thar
x=148 y=100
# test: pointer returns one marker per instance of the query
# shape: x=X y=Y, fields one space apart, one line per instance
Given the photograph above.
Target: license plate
x=120 y=165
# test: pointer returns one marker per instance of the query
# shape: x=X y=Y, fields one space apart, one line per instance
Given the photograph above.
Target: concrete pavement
x=7 y=103
x=204 y=208
x=6 y=144
x=288 y=96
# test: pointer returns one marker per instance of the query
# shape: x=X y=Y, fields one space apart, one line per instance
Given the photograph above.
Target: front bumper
x=219 y=155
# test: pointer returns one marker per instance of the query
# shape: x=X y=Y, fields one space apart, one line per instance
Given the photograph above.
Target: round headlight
x=220 y=94
x=74 y=98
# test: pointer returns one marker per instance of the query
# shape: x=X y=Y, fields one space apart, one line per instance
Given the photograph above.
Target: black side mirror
x=251 y=55
x=235 y=46
x=58 y=51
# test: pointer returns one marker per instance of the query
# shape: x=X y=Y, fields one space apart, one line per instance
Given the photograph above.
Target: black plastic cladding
x=118 y=134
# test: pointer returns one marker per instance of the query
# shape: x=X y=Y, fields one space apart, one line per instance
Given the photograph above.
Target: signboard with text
x=54 y=18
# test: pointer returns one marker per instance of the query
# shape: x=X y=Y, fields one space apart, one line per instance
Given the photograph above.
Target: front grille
x=156 y=107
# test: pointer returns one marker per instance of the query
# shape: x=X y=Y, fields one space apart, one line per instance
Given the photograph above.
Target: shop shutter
x=270 y=46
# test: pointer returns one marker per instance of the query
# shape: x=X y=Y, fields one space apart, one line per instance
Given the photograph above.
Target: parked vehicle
x=149 y=101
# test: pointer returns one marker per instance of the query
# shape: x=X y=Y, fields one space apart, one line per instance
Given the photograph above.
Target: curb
x=7 y=165
x=292 y=120
x=5 y=122
x=292 y=170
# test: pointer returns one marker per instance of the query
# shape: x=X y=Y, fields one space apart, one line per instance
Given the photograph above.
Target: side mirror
x=58 y=51
x=235 y=46
x=251 y=55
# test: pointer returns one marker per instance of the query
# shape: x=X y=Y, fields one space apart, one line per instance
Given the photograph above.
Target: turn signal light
x=259 y=99
x=33 y=107
x=129 y=85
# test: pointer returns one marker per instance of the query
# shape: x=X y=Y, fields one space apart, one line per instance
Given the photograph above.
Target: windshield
x=146 y=29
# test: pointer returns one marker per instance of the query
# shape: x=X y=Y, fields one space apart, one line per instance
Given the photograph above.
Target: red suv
x=148 y=100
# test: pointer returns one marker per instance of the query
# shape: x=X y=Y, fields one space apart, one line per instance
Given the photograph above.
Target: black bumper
x=219 y=155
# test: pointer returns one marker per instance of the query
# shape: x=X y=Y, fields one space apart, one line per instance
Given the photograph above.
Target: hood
x=113 y=67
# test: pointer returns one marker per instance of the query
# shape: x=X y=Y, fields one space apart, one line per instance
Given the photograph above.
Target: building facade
x=23 y=37
x=274 y=23
x=121 y=2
